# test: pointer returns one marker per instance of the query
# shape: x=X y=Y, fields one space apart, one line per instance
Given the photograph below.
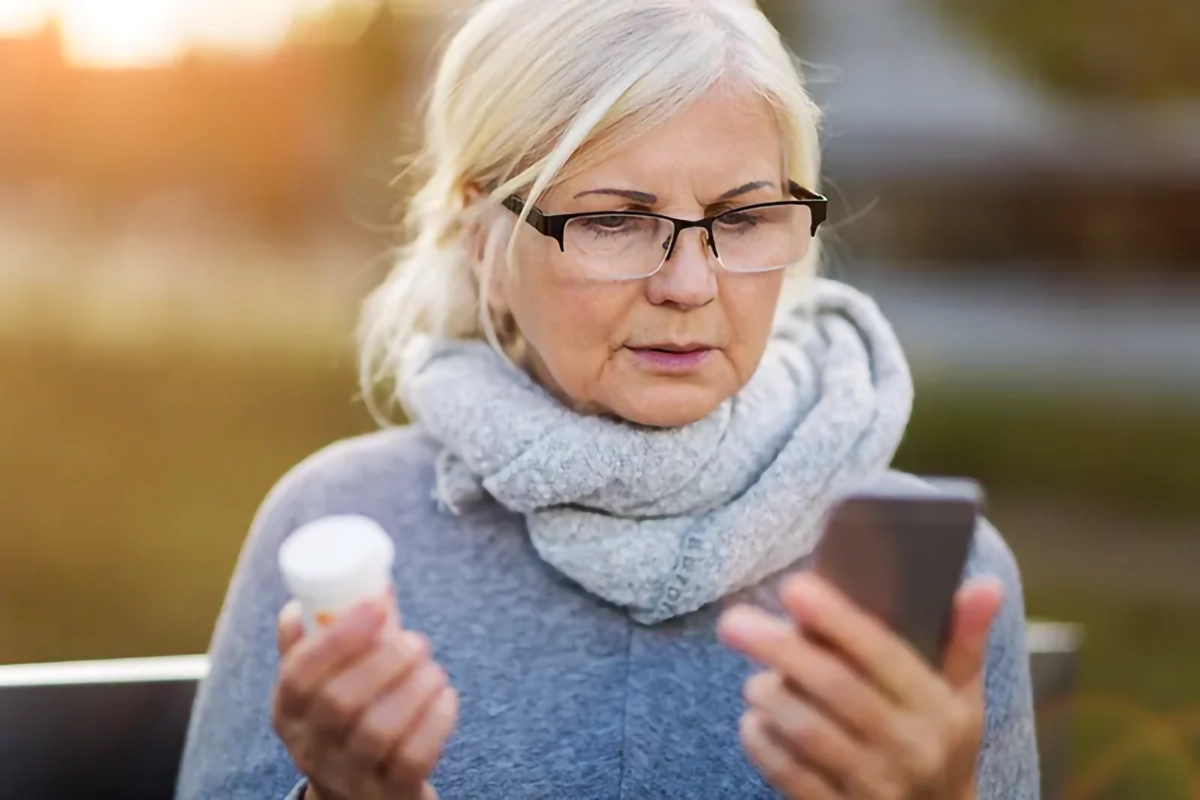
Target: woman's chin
x=669 y=405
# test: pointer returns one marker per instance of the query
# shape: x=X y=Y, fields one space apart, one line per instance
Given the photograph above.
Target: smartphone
x=900 y=556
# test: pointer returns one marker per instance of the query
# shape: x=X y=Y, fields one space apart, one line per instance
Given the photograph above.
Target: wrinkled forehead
x=728 y=138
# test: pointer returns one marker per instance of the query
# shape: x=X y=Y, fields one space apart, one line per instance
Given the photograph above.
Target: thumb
x=291 y=627
x=975 y=607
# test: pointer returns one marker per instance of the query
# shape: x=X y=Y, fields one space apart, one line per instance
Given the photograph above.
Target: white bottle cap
x=345 y=558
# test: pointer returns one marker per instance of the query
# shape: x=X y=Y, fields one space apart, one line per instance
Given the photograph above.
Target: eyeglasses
x=629 y=245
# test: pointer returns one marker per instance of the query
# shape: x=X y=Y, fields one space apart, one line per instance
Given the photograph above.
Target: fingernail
x=804 y=590
x=741 y=624
x=416 y=643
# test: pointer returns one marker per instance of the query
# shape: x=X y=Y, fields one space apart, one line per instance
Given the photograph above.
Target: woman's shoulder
x=360 y=463
x=382 y=474
x=990 y=554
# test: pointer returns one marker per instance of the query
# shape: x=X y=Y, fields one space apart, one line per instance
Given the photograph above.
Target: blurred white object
x=334 y=563
x=118 y=670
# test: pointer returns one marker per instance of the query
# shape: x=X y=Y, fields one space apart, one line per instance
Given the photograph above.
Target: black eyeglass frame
x=555 y=225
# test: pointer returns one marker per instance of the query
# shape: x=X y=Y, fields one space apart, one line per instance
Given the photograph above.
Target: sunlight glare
x=313 y=7
x=258 y=27
x=122 y=33
x=23 y=17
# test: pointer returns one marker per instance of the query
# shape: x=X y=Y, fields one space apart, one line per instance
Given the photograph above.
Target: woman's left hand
x=847 y=709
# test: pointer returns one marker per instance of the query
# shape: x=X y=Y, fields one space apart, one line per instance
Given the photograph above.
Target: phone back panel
x=902 y=559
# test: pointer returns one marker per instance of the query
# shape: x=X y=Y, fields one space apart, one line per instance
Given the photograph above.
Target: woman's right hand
x=361 y=706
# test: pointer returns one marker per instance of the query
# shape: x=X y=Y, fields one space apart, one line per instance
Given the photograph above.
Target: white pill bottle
x=333 y=564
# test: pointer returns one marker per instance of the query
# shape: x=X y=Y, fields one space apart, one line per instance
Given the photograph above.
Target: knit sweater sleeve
x=1008 y=761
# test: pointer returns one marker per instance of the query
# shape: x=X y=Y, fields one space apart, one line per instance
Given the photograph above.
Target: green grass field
x=130 y=479
x=131 y=475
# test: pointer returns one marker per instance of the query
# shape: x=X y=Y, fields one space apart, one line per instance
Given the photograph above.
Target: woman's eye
x=613 y=223
x=740 y=219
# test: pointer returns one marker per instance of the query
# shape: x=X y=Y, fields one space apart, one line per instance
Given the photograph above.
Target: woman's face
x=668 y=349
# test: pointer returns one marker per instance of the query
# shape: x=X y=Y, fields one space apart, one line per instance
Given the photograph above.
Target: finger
x=316 y=658
x=889 y=661
x=803 y=729
x=975 y=607
x=420 y=752
x=392 y=718
x=816 y=671
x=291 y=627
x=347 y=695
x=790 y=776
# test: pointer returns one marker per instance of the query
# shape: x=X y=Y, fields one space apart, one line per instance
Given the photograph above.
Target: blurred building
x=974 y=161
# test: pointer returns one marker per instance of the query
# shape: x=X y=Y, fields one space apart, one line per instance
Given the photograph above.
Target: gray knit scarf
x=663 y=521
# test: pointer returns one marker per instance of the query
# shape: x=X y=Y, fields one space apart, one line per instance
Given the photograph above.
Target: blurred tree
x=1143 y=50
x=361 y=48
x=374 y=57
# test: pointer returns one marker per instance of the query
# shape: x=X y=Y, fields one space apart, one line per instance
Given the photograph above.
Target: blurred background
x=196 y=194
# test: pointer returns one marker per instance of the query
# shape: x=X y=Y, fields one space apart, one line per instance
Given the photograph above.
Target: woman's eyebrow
x=746 y=189
x=645 y=198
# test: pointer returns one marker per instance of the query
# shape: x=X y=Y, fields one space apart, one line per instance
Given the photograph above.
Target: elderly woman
x=635 y=403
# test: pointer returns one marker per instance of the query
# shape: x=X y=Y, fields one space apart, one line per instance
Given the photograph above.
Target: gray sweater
x=563 y=696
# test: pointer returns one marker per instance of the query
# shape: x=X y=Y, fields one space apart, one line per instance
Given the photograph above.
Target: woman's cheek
x=750 y=308
x=580 y=328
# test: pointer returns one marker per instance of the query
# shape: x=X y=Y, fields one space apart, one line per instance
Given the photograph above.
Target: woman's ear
x=484 y=245
x=474 y=237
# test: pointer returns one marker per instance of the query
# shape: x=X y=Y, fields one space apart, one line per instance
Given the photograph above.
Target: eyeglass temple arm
x=540 y=222
x=818 y=203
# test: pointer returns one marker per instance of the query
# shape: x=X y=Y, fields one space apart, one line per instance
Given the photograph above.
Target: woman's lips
x=671 y=359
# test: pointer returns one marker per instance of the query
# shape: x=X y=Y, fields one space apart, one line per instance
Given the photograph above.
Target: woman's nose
x=689 y=278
